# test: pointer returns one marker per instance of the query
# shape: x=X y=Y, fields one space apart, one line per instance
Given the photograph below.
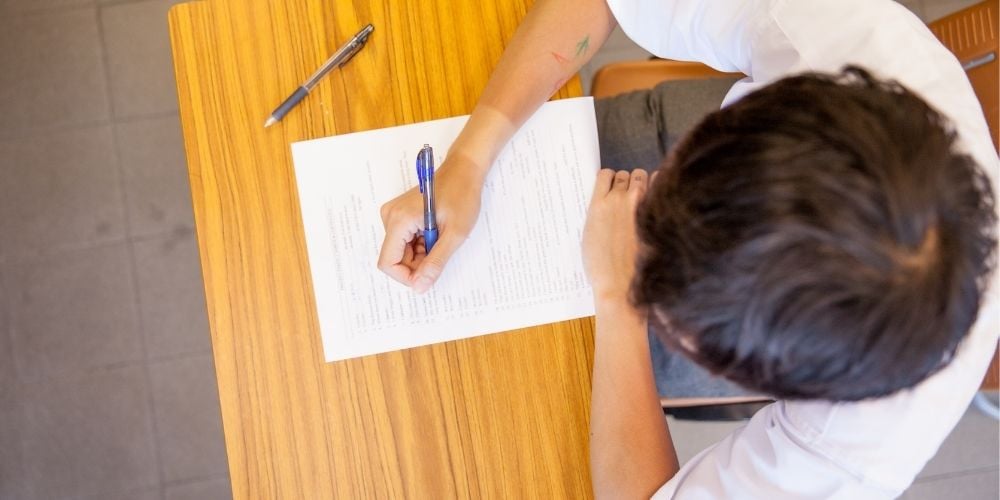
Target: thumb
x=432 y=266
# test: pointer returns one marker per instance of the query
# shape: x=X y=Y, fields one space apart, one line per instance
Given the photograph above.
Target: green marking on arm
x=582 y=46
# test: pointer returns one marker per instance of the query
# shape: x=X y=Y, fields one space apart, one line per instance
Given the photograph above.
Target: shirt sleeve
x=718 y=33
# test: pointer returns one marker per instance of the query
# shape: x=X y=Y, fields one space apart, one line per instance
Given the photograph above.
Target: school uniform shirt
x=804 y=449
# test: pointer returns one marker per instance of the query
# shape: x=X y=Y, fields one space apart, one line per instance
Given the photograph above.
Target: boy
x=827 y=239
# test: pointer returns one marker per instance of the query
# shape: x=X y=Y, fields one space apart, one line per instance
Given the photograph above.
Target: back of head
x=820 y=238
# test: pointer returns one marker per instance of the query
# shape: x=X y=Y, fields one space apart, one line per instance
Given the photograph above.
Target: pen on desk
x=338 y=59
x=425 y=179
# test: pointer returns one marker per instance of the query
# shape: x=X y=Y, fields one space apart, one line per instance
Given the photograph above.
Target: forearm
x=555 y=39
x=631 y=454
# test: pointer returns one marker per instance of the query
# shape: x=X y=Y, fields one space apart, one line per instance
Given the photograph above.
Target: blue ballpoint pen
x=425 y=178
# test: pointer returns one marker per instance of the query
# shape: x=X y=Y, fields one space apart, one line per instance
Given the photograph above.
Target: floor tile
x=20 y=6
x=149 y=493
x=973 y=444
x=216 y=489
x=158 y=195
x=7 y=373
x=936 y=9
x=139 y=58
x=73 y=311
x=172 y=299
x=11 y=471
x=52 y=70
x=980 y=485
x=87 y=434
x=691 y=437
x=618 y=40
x=188 y=423
x=60 y=189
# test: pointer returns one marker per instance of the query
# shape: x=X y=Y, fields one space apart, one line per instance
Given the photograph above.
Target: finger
x=432 y=266
x=420 y=248
x=603 y=183
x=621 y=180
x=417 y=247
x=414 y=256
x=637 y=182
x=383 y=212
x=393 y=252
x=408 y=255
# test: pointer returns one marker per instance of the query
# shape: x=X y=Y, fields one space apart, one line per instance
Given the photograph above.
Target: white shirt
x=795 y=449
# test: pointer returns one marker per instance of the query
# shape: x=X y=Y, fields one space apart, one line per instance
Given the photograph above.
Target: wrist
x=619 y=314
x=615 y=303
x=467 y=169
x=482 y=139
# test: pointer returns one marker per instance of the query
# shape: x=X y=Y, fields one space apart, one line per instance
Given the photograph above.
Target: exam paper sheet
x=521 y=265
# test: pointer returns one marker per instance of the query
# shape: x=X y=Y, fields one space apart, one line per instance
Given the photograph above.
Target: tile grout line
x=161 y=488
x=59 y=128
x=58 y=250
x=195 y=480
x=89 y=370
x=8 y=309
x=957 y=474
x=133 y=266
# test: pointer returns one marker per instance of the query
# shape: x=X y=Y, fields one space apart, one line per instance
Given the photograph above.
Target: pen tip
x=270 y=121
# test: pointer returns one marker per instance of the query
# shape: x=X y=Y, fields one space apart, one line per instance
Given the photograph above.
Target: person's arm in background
x=554 y=40
x=631 y=454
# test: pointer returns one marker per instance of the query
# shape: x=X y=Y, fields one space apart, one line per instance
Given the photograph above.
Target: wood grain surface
x=501 y=416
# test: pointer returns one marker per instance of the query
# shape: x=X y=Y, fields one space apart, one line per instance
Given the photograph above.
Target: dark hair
x=820 y=238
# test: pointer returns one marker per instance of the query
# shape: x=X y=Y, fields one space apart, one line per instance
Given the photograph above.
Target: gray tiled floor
x=138 y=56
x=106 y=382
x=170 y=295
x=151 y=152
x=73 y=311
x=59 y=190
x=60 y=80
x=182 y=426
x=87 y=434
x=107 y=389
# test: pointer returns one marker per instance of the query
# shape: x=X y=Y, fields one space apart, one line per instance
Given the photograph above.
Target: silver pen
x=338 y=59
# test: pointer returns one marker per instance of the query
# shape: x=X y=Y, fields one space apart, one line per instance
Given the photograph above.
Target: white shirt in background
x=796 y=449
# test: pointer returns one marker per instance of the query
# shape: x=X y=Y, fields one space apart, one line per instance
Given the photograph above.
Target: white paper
x=520 y=267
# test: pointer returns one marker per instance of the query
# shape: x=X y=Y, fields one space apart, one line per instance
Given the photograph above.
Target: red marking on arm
x=560 y=59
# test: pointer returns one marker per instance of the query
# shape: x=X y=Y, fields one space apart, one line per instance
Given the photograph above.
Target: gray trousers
x=637 y=130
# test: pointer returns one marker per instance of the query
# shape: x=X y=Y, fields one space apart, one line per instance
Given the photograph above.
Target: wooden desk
x=501 y=416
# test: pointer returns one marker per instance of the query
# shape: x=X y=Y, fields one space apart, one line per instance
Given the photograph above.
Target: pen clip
x=357 y=45
x=420 y=171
